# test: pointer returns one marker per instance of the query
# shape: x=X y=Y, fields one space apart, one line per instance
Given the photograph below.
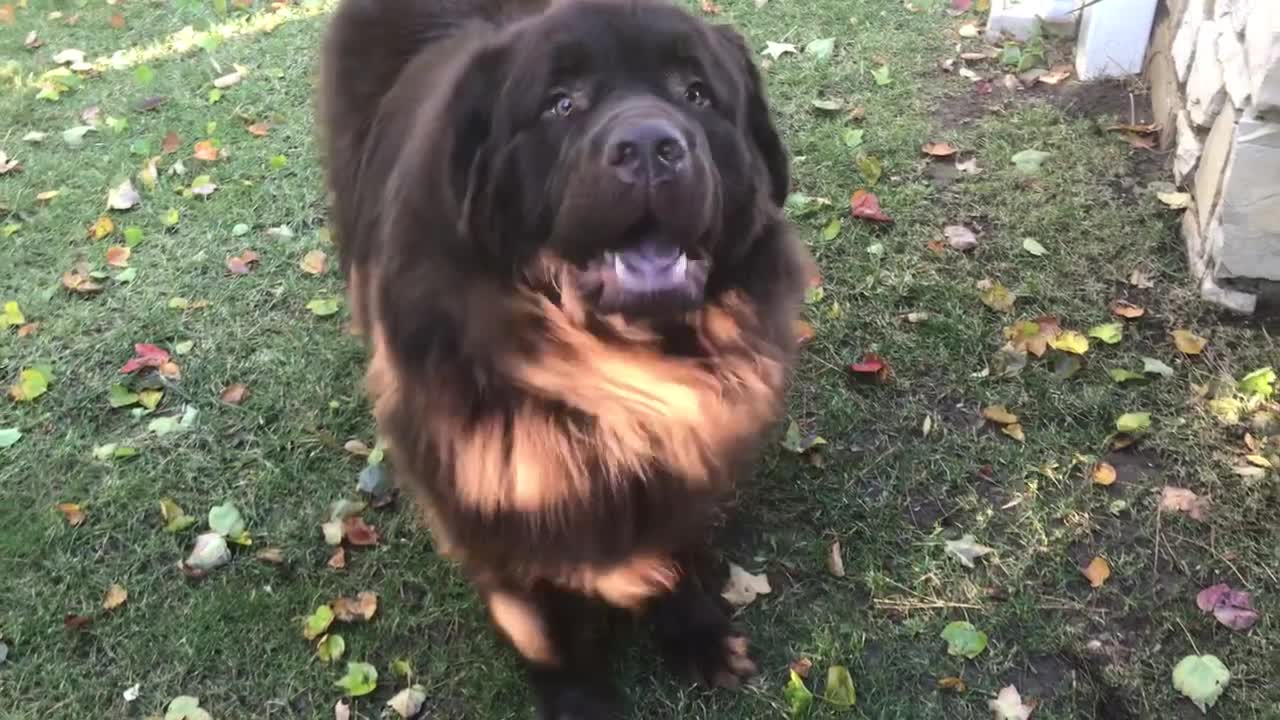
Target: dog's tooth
x=682 y=264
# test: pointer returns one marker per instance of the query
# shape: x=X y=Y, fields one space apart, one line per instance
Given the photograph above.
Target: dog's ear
x=759 y=121
x=471 y=114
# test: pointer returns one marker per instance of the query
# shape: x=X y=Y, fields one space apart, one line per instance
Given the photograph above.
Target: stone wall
x=1214 y=69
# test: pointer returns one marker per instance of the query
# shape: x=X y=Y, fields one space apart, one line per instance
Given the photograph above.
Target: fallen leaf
x=1176 y=499
x=203 y=186
x=1033 y=336
x=1173 y=200
x=186 y=707
x=776 y=50
x=866 y=206
x=74 y=514
x=835 y=560
x=959 y=237
x=330 y=648
x=999 y=414
x=952 y=683
x=1233 y=608
x=1032 y=246
x=313 y=263
x=9 y=437
x=357 y=532
x=1014 y=431
x=12 y=314
x=821 y=49
x=408 y=702
x=210 y=552
x=968 y=30
x=1259 y=383
x=799 y=698
x=115 y=597
x=324 y=306
x=1139 y=279
x=234 y=394
x=270 y=555
x=315 y=624
x=1126 y=309
x=1103 y=474
x=1097 y=571
x=1029 y=162
x=72 y=621
x=938 y=149
x=1152 y=366
x=118 y=256
x=1008 y=705
x=1133 y=422
x=361 y=679
x=226 y=520
x=241 y=264
x=1070 y=341
x=1202 y=678
x=123 y=196
x=8 y=164
x=964 y=640
x=206 y=150
x=873 y=367
x=742 y=587
x=226 y=81
x=1188 y=342
x=997 y=297
x=1109 y=333
x=145 y=355
x=362 y=607
x=32 y=383
x=881 y=75
x=710 y=8
x=338 y=560
x=966 y=550
x=839 y=690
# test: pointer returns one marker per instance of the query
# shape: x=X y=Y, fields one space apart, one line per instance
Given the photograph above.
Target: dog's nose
x=647 y=151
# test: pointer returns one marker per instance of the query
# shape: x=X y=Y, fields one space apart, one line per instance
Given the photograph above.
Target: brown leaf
x=1097 y=571
x=72 y=621
x=361 y=607
x=77 y=281
x=235 y=393
x=952 y=683
x=271 y=555
x=171 y=143
x=259 y=129
x=1103 y=474
x=1126 y=309
x=1014 y=431
x=73 y=513
x=116 y=21
x=1176 y=499
x=29 y=329
x=710 y=8
x=1188 y=342
x=338 y=560
x=115 y=597
x=206 y=151
x=1033 y=336
x=358 y=532
x=802 y=666
x=313 y=263
x=118 y=256
x=804 y=333
x=999 y=415
x=239 y=264
x=938 y=149
x=866 y=206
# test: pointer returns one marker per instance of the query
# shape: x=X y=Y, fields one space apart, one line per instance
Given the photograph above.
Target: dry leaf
x=259 y=129
x=313 y=263
x=1176 y=499
x=1126 y=309
x=1097 y=571
x=171 y=143
x=206 y=151
x=866 y=206
x=115 y=597
x=1188 y=342
x=227 y=80
x=742 y=587
x=952 y=683
x=235 y=393
x=358 y=532
x=338 y=560
x=1008 y=705
x=802 y=667
x=938 y=149
x=999 y=414
x=361 y=607
x=960 y=237
x=1014 y=431
x=1103 y=474
x=271 y=555
x=118 y=256
x=835 y=560
x=996 y=296
x=73 y=513
x=1139 y=279
x=804 y=332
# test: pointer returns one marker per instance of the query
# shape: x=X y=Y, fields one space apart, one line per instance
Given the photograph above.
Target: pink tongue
x=650 y=257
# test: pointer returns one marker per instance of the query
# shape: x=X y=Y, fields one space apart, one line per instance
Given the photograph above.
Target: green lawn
x=888 y=490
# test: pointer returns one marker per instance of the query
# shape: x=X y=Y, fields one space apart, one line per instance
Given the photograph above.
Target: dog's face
x=628 y=141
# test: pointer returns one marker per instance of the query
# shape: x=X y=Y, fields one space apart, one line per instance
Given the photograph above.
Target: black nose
x=647 y=151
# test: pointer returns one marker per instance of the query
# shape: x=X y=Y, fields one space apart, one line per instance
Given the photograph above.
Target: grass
x=889 y=493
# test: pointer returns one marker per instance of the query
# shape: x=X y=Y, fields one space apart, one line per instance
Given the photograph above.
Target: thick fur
x=567 y=458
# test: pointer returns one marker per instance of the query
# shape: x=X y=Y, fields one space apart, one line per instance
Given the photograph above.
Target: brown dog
x=561 y=229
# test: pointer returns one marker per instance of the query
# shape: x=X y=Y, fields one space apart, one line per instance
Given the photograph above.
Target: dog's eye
x=697 y=94
x=559 y=105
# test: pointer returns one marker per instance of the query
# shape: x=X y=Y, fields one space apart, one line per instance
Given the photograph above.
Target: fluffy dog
x=560 y=225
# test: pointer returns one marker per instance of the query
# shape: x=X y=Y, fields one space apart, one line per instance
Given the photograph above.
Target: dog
x=560 y=224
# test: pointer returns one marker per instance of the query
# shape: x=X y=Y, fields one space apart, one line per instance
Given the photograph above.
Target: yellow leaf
x=804 y=332
x=952 y=683
x=72 y=512
x=1097 y=572
x=102 y=228
x=999 y=414
x=1259 y=461
x=313 y=262
x=1188 y=342
x=116 y=595
x=1070 y=341
x=998 y=298
x=1103 y=474
x=1014 y=431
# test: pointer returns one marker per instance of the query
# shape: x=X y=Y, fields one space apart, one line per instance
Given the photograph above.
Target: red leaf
x=339 y=559
x=73 y=621
x=866 y=205
x=206 y=151
x=148 y=355
x=171 y=143
x=358 y=532
x=235 y=393
x=872 y=367
x=961 y=5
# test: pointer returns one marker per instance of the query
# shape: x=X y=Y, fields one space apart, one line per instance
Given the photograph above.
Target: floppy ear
x=759 y=121
x=471 y=117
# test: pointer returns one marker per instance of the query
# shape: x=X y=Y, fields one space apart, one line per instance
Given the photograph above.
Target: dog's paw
x=714 y=656
x=562 y=699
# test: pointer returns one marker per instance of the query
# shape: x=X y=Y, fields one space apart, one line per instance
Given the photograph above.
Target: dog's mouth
x=650 y=275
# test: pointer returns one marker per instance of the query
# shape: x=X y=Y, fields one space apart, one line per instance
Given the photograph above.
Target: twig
x=1080 y=9
x=1155 y=556
x=918 y=605
x=1188 y=634
x=1218 y=555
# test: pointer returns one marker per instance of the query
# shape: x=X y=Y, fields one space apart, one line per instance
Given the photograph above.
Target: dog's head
x=625 y=139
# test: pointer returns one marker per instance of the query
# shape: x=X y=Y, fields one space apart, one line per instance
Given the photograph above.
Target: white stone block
x=1240 y=12
x=1233 y=300
x=1018 y=18
x=1113 y=36
x=1205 y=89
x=1188 y=149
x=1184 y=42
x=1235 y=69
x=1250 y=204
x=1214 y=161
x=1262 y=49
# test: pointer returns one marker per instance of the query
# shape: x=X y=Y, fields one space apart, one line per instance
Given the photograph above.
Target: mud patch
x=1101 y=99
